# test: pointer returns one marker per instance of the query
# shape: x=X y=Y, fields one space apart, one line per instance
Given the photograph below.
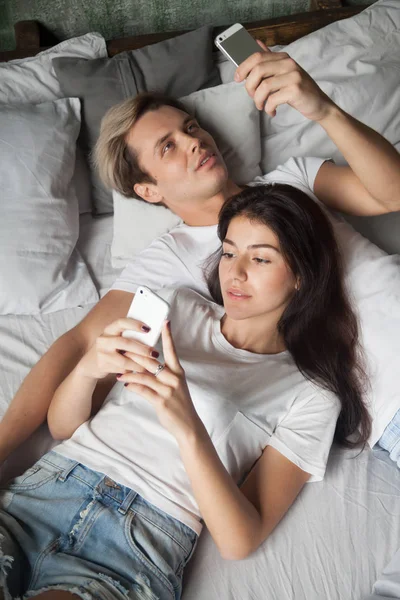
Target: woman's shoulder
x=186 y=301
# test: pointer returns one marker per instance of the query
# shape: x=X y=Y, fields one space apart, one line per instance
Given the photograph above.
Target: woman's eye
x=262 y=261
x=227 y=254
x=166 y=147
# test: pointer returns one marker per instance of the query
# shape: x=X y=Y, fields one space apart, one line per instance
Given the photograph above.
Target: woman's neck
x=259 y=335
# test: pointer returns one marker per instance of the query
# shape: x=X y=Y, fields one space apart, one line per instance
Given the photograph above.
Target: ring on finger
x=158 y=370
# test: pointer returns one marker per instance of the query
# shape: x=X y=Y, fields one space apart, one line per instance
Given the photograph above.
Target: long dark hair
x=319 y=327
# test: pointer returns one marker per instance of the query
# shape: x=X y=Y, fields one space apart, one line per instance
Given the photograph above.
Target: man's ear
x=148 y=192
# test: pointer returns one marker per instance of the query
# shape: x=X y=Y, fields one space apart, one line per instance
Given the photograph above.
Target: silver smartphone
x=236 y=43
x=150 y=309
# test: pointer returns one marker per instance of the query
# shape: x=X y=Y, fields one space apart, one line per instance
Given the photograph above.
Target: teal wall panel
x=119 y=18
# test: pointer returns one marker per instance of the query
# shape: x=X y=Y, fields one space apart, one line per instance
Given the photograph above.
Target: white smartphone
x=236 y=43
x=151 y=310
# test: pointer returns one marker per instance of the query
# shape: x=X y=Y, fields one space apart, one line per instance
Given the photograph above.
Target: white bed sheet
x=333 y=543
x=25 y=338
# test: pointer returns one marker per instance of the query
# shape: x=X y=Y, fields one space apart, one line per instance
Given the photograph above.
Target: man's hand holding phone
x=274 y=78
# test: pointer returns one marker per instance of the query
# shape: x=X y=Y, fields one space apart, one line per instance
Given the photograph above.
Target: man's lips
x=211 y=160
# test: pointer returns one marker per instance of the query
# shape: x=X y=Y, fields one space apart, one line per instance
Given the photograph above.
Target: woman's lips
x=237 y=296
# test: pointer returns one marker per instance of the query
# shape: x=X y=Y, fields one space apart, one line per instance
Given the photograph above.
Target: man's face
x=171 y=147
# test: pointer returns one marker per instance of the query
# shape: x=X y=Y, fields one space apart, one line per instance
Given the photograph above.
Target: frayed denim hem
x=95 y=590
x=78 y=591
x=5 y=565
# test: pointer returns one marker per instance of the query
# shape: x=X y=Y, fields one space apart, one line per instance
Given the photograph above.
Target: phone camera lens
x=141 y=291
x=220 y=39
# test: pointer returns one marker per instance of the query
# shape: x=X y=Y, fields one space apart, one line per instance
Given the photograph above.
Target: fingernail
x=155 y=354
x=119 y=375
x=121 y=351
x=126 y=384
x=237 y=77
x=145 y=328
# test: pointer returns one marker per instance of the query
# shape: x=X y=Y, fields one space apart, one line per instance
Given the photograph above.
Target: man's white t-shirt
x=246 y=401
x=177 y=259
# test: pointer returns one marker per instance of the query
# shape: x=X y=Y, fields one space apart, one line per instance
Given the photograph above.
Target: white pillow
x=33 y=80
x=40 y=269
x=230 y=115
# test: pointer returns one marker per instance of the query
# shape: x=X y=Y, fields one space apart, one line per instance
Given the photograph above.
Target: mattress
x=332 y=544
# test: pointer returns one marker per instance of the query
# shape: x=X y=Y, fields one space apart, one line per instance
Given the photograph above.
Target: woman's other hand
x=167 y=391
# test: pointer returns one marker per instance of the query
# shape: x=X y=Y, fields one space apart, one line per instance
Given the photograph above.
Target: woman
x=261 y=387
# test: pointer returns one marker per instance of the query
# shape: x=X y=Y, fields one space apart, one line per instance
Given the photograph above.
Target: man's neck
x=208 y=213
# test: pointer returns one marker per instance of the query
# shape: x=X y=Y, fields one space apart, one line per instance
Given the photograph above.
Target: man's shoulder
x=297 y=170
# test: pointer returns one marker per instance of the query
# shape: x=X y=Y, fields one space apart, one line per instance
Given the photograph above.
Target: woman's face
x=255 y=280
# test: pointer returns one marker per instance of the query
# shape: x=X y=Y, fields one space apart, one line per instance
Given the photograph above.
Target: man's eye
x=192 y=125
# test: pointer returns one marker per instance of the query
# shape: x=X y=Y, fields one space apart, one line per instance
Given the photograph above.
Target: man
x=163 y=155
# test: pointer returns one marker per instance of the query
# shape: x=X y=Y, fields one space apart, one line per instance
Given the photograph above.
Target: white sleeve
x=305 y=434
x=304 y=169
x=155 y=267
x=299 y=172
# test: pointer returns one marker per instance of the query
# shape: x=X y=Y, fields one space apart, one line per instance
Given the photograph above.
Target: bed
x=340 y=534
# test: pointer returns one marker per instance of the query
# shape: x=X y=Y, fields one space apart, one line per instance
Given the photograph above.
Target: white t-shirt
x=177 y=258
x=246 y=401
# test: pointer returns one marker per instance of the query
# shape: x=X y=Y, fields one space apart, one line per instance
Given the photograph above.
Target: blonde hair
x=116 y=162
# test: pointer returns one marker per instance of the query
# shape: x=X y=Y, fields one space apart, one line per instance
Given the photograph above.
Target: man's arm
x=29 y=407
x=370 y=185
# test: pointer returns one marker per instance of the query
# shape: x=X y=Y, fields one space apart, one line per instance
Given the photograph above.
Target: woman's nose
x=239 y=270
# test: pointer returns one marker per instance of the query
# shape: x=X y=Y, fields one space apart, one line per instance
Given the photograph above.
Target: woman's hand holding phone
x=165 y=387
x=114 y=354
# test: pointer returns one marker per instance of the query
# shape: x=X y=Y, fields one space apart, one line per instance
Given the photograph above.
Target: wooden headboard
x=31 y=37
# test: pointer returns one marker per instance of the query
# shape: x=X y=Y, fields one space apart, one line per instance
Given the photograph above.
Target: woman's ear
x=148 y=192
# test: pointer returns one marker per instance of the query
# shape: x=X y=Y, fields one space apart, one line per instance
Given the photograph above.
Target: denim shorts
x=66 y=527
x=390 y=439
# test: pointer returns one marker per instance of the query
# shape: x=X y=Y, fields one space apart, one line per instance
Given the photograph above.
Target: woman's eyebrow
x=252 y=246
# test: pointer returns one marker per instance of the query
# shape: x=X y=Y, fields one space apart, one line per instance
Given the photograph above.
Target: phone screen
x=240 y=45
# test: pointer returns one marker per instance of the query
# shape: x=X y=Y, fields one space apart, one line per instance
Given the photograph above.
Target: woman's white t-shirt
x=246 y=401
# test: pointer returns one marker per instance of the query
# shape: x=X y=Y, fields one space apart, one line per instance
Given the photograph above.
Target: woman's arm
x=239 y=520
x=71 y=404
x=74 y=401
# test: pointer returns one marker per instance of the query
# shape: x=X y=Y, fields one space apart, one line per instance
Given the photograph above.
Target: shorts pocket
x=155 y=549
x=32 y=479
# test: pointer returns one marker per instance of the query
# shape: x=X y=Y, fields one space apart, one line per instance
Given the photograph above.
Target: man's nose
x=195 y=145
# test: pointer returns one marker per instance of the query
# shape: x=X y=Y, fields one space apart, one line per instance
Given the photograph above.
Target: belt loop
x=64 y=474
x=127 y=502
